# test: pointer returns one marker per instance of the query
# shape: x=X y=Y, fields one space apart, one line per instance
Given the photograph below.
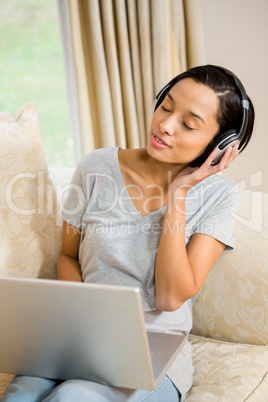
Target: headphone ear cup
x=221 y=151
x=221 y=141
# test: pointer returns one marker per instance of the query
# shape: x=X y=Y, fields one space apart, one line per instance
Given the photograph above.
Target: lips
x=159 y=142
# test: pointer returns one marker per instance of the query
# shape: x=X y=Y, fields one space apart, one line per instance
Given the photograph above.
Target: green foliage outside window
x=32 y=69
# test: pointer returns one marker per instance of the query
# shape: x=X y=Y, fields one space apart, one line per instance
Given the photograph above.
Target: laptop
x=69 y=330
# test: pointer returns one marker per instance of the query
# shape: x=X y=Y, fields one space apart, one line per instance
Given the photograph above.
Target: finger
x=231 y=154
x=210 y=158
x=228 y=157
x=188 y=170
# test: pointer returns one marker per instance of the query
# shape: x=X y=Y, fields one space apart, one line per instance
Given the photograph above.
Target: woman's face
x=184 y=124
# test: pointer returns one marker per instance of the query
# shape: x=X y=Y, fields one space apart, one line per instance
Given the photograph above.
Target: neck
x=158 y=172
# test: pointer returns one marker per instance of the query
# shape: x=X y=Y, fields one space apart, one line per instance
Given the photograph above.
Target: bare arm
x=68 y=267
x=180 y=272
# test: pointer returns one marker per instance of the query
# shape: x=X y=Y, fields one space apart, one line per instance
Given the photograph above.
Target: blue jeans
x=34 y=389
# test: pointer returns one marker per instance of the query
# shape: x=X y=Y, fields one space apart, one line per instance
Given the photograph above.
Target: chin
x=166 y=156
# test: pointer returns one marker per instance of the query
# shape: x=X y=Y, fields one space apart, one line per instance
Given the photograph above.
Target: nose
x=168 y=126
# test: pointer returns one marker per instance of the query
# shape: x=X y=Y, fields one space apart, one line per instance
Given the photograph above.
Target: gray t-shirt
x=119 y=245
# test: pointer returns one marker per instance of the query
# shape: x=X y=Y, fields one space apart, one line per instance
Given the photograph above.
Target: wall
x=236 y=37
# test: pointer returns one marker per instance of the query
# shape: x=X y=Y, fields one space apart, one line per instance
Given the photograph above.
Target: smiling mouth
x=157 y=140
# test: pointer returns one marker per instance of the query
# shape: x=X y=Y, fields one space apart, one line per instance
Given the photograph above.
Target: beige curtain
x=118 y=54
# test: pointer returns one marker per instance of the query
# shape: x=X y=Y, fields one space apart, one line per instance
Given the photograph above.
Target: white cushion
x=226 y=371
x=30 y=230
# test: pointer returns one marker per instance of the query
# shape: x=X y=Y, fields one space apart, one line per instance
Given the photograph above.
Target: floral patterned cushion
x=233 y=303
x=30 y=230
x=228 y=372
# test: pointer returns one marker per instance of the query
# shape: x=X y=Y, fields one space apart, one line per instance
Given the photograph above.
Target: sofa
x=230 y=329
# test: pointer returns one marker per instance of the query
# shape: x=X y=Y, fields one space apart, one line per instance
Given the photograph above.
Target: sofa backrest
x=233 y=303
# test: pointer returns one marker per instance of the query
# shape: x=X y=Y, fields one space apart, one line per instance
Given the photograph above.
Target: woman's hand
x=190 y=176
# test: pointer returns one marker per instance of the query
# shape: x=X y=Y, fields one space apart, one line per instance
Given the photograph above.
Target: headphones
x=227 y=138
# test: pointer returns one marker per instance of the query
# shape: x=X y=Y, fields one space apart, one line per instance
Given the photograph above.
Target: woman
x=155 y=219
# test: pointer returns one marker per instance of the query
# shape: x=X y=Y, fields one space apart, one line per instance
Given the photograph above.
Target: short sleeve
x=219 y=219
x=75 y=203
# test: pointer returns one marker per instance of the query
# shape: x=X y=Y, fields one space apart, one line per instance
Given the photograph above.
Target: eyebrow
x=190 y=113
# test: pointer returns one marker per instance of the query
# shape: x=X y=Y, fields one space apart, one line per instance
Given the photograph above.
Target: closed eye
x=185 y=125
x=164 y=109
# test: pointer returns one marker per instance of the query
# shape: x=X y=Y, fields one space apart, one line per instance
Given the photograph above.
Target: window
x=32 y=70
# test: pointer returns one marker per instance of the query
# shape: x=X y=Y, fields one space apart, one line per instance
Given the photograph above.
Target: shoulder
x=215 y=190
x=216 y=184
x=99 y=161
x=99 y=156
